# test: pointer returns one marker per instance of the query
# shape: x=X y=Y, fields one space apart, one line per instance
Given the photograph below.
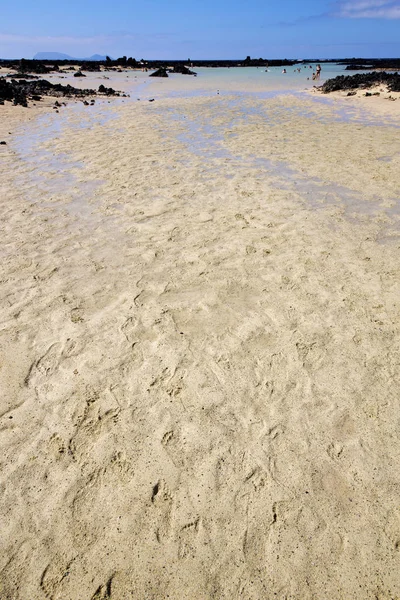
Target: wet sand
x=199 y=349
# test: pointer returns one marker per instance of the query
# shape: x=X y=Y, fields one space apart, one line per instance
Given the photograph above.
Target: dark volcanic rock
x=18 y=91
x=161 y=72
x=22 y=76
x=358 y=67
x=6 y=90
x=91 y=66
x=107 y=91
x=33 y=66
x=182 y=69
x=362 y=81
x=79 y=74
x=372 y=63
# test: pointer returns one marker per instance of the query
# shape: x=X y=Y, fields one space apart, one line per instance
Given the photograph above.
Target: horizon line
x=209 y=59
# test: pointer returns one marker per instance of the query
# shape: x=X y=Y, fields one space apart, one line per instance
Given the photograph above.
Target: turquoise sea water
x=273 y=75
x=243 y=80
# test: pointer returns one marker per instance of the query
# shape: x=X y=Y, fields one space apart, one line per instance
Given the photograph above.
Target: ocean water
x=273 y=75
x=243 y=80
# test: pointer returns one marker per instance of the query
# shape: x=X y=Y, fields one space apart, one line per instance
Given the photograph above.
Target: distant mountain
x=51 y=56
x=60 y=56
x=97 y=57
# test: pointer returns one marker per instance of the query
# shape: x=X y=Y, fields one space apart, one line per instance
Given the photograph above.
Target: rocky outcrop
x=181 y=69
x=372 y=64
x=22 y=76
x=33 y=66
x=362 y=81
x=21 y=91
x=358 y=67
x=108 y=91
x=161 y=72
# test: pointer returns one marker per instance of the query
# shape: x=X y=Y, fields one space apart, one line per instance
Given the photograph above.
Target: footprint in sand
x=103 y=592
x=53 y=575
x=174 y=448
x=103 y=488
x=44 y=367
x=188 y=539
x=162 y=501
x=257 y=478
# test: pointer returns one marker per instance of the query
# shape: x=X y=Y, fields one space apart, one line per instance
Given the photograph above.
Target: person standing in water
x=317 y=71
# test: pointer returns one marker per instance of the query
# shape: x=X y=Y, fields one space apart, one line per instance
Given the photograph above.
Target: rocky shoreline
x=383 y=64
x=48 y=66
x=22 y=91
x=362 y=81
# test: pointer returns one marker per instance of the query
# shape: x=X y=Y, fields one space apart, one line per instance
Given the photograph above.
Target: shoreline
x=178 y=84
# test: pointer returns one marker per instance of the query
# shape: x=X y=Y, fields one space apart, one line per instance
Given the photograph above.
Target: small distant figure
x=217 y=92
x=317 y=71
x=284 y=71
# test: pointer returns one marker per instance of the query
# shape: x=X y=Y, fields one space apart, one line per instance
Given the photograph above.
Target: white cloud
x=368 y=9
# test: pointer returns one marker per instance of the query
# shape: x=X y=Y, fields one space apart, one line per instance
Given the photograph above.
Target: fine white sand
x=199 y=350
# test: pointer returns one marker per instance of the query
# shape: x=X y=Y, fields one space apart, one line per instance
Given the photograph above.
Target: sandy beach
x=200 y=346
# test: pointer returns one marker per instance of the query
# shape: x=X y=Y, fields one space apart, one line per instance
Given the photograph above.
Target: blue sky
x=201 y=28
